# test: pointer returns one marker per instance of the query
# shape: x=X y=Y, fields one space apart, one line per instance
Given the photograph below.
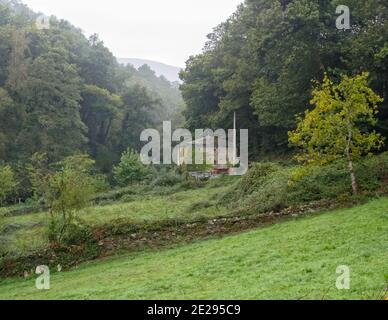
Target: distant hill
x=171 y=73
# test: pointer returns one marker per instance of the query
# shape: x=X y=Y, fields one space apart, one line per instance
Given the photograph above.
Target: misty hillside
x=63 y=94
x=171 y=73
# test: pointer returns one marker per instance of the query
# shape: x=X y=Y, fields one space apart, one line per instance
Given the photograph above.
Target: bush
x=252 y=181
x=130 y=170
x=333 y=181
x=74 y=234
x=257 y=175
x=373 y=173
x=270 y=195
x=167 y=179
x=271 y=187
x=7 y=182
x=318 y=183
x=68 y=191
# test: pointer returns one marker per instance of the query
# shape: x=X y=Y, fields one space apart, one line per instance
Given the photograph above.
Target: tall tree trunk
x=353 y=175
x=350 y=160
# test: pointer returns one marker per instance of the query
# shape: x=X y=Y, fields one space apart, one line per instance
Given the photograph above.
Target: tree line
x=63 y=94
x=262 y=61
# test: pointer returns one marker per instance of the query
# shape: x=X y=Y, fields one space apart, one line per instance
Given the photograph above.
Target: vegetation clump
x=130 y=170
x=337 y=128
x=275 y=187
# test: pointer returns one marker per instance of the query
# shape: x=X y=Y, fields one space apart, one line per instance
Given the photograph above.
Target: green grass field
x=296 y=259
x=26 y=233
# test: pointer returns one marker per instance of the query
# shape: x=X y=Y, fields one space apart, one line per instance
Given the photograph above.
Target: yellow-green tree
x=69 y=190
x=7 y=182
x=338 y=125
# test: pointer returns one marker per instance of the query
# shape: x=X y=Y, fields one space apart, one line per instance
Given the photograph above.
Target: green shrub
x=326 y=182
x=373 y=173
x=251 y=182
x=256 y=176
x=167 y=179
x=130 y=170
x=332 y=181
x=271 y=187
x=68 y=191
x=270 y=195
x=8 y=182
x=75 y=233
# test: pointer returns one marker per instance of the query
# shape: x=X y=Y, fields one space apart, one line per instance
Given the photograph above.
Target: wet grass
x=296 y=259
x=26 y=233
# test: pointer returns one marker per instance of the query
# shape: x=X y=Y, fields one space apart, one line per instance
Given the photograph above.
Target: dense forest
x=62 y=94
x=261 y=62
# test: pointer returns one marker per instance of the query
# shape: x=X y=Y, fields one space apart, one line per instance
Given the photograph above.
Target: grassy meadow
x=292 y=260
x=26 y=233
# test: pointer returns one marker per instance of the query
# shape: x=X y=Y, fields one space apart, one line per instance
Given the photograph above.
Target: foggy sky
x=168 y=31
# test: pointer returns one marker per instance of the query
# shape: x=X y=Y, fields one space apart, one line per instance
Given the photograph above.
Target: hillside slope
x=91 y=104
x=171 y=73
x=292 y=260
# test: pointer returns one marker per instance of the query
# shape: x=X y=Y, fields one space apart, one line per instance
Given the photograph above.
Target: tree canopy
x=337 y=126
x=261 y=61
x=62 y=93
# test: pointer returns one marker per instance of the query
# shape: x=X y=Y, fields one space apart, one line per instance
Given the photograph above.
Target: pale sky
x=167 y=31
